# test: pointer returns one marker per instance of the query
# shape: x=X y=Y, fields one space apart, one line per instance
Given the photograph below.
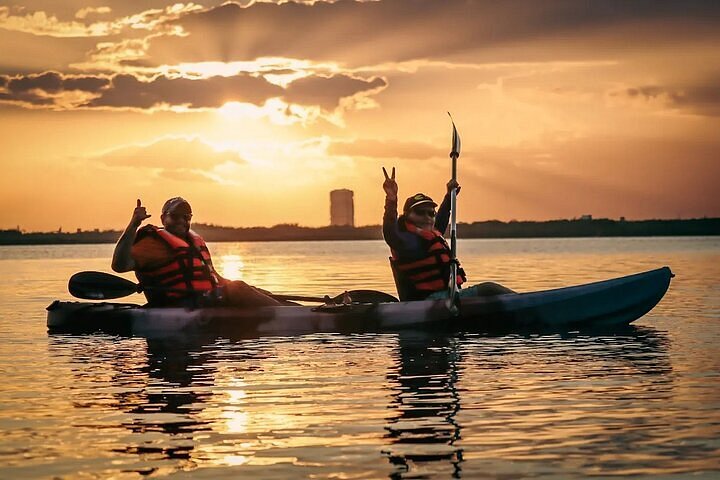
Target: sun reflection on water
x=231 y=267
x=235 y=419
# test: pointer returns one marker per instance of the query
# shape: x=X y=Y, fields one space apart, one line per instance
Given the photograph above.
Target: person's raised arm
x=397 y=240
x=443 y=213
x=122 y=260
x=390 y=186
x=390 y=229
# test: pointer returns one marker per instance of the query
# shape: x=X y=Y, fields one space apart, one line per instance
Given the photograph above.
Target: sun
x=240 y=111
x=275 y=110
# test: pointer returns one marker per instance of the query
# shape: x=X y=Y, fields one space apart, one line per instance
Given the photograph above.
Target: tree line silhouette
x=486 y=229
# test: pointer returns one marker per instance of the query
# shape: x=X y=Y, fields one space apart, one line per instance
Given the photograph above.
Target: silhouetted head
x=420 y=211
x=176 y=216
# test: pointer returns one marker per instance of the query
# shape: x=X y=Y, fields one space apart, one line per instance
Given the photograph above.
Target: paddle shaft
x=452 y=283
x=453 y=231
x=299 y=298
x=453 y=211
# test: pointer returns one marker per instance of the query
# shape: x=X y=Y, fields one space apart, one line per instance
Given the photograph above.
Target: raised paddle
x=452 y=284
x=104 y=286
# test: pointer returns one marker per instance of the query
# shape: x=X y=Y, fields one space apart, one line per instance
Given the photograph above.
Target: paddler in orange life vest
x=173 y=264
x=420 y=255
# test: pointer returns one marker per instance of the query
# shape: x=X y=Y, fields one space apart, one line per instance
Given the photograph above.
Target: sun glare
x=274 y=109
x=265 y=66
x=232 y=267
x=238 y=110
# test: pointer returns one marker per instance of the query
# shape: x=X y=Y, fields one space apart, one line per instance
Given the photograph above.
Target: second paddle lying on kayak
x=604 y=304
x=91 y=285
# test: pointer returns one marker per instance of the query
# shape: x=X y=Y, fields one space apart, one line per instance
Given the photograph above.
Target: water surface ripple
x=642 y=401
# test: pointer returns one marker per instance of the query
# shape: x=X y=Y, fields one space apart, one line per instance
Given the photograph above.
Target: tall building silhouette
x=342 y=209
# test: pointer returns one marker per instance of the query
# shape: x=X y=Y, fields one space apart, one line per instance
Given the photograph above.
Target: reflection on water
x=643 y=402
x=423 y=429
x=434 y=406
x=179 y=380
x=231 y=267
x=585 y=401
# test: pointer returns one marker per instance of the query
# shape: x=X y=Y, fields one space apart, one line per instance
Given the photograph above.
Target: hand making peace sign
x=390 y=185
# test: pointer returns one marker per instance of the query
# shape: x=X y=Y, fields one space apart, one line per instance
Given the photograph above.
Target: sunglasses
x=180 y=216
x=425 y=212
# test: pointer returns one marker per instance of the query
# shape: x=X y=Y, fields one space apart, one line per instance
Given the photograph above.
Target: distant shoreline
x=486 y=229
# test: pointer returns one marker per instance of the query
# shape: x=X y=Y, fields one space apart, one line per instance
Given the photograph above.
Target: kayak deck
x=603 y=304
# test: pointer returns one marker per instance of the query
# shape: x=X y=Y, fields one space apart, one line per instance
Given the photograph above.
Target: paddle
x=105 y=286
x=454 y=154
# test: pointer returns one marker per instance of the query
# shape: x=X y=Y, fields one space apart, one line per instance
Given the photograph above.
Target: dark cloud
x=85 y=83
x=128 y=91
x=700 y=99
x=395 y=30
x=27 y=98
x=647 y=92
x=37 y=89
x=325 y=91
x=53 y=82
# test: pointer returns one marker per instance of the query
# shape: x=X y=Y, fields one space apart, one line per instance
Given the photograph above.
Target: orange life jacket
x=187 y=275
x=419 y=277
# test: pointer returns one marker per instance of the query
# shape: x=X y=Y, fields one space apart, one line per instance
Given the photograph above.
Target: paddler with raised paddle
x=422 y=262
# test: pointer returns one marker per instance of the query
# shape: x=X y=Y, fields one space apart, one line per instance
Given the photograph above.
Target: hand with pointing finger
x=139 y=214
x=390 y=185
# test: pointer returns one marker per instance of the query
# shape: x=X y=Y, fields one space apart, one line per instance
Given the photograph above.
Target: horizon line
x=297 y=225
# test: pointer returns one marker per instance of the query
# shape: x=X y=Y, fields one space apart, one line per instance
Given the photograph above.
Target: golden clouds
x=42 y=23
x=168 y=153
x=125 y=91
x=565 y=108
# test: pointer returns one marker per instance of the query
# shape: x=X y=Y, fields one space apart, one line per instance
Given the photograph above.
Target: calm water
x=641 y=403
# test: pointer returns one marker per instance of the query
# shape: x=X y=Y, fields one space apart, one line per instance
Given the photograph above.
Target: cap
x=416 y=200
x=176 y=205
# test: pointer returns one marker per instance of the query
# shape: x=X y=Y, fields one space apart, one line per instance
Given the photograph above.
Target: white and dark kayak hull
x=604 y=304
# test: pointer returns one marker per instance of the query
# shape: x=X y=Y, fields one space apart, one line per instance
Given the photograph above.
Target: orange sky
x=254 y=111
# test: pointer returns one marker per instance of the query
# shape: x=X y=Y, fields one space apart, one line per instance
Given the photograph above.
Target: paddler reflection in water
x=173 y=264
x=420 y=255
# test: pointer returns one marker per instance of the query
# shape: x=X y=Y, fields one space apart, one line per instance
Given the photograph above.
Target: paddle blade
x=367 y=296
x=100 y=286
x=456 y=144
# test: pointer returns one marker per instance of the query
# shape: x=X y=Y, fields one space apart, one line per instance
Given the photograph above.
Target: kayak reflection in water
x=173 y=264
x=420 y=255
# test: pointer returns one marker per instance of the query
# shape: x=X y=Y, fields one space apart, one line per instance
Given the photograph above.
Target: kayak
x=604 y=304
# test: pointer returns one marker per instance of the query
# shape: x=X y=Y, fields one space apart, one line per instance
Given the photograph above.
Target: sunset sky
x=254 y=111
